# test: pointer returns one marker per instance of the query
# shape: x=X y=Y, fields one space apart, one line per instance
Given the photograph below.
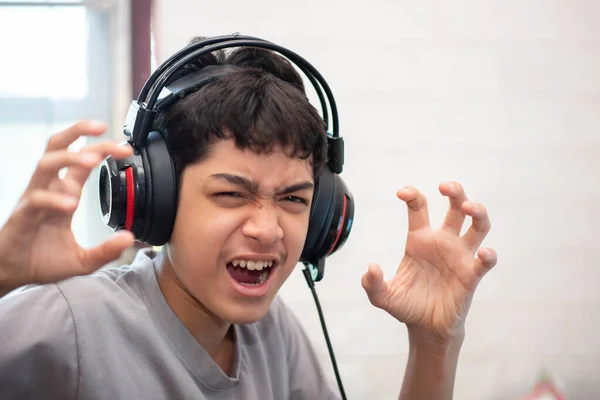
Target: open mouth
x=250 y=273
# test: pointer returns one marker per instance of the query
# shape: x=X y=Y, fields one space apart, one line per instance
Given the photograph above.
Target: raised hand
x=437 y=277
x=36 y=243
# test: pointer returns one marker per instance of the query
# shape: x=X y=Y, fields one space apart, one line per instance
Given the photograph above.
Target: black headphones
x=140 y=193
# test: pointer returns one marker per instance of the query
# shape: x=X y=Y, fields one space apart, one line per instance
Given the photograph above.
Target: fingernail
x=487 y=255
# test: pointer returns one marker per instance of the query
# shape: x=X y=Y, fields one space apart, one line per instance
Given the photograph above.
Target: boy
x=201 y=318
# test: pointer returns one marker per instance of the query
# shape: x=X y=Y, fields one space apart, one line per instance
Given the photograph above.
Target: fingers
x=485 y=261
x=455 y=217
x=480 y=227
x=68 y=187
x=376 y=287
x=97 y=257
x=102 y=150
x=46 y=200
x=79 y=164
x=65 y=138
x=51 y=163
x=418 y=214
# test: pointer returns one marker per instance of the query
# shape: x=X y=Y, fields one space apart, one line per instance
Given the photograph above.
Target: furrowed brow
x=295 y=187
x=237 y=180
x=252 y=186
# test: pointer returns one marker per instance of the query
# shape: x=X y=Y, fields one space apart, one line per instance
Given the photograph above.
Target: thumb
x=376 y=287
x=485 y=261
x=96 y=257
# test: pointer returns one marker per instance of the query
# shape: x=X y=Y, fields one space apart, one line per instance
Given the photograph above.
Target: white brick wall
x=503 y=96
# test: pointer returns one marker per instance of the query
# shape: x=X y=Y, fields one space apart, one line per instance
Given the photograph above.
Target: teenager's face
x=240 y=229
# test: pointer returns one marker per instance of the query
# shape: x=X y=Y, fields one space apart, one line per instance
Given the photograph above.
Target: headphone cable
x=311 y=285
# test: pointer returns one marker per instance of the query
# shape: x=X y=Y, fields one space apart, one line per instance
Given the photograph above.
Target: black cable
x=311 y=285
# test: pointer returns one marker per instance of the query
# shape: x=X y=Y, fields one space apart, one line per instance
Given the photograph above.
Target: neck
x=211 y=332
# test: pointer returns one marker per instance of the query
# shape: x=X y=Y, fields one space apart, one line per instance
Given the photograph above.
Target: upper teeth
x=252 y=265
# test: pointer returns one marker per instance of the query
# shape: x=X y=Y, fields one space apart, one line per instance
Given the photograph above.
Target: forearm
x=431 y=368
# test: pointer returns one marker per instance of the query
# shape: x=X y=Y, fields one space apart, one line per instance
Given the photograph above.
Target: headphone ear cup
x=342 y=218
x=122 y=193
x=319 y=214
x=331 y=217
x=161 y=191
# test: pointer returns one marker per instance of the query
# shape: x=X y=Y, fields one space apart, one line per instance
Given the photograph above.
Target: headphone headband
x=141 y=115
x=186 y=50
x=200 y=49
x=192 y=52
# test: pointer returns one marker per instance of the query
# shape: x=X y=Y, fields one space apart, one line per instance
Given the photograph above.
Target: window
x=56 y=69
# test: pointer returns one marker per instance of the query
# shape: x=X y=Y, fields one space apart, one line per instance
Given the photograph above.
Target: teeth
x=262 y=278
x=253 y=265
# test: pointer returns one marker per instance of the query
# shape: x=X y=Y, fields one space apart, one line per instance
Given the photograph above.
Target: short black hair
x=259 y=106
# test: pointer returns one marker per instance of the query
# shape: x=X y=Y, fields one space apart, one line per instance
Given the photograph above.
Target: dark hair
x=260 y=106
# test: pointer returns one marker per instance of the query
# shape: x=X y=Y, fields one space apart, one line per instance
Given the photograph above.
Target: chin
x=245 y=314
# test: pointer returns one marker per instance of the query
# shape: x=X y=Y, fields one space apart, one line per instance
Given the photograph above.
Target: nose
x=263 y=225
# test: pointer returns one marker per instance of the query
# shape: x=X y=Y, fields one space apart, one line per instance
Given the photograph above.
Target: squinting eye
x=296 y=199
x=230 y=199
x=228 y=194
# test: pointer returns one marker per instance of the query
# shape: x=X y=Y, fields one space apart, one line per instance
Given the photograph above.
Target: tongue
x=244 y=275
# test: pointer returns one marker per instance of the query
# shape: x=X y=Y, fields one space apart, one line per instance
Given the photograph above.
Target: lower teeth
x=261 y=279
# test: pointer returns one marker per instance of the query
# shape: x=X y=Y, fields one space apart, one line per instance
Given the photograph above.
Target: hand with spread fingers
x=437 y=277
x=36 y=243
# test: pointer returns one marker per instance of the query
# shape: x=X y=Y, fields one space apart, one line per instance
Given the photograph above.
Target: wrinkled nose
x=263 y=226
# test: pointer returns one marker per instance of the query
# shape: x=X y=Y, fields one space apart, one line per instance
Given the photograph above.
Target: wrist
x=431 y=365
x=429 y=343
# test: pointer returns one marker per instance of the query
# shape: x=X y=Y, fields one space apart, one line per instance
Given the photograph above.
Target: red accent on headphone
x=130 y=198
x=339 y=229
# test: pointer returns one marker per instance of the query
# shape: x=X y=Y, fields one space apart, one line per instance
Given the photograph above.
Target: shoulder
x=39 y=343
x=44 y=328
x=84 y=296
x=35 y=302
x=121 y=285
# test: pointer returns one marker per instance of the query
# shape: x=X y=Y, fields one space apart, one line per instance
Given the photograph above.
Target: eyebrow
x=252 y=186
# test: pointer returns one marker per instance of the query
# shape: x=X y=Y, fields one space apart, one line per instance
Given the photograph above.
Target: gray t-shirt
x=113 y=336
